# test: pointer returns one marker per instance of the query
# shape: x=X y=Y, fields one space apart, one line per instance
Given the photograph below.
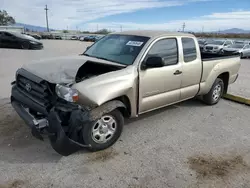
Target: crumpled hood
x=60 y=70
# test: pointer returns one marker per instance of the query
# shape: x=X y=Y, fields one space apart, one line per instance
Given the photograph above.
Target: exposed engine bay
x=92 y=69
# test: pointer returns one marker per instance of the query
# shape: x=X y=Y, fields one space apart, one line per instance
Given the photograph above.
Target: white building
x=13 y=28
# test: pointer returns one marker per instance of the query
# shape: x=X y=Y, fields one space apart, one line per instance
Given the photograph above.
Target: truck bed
x=213 y=63
x=209 y=56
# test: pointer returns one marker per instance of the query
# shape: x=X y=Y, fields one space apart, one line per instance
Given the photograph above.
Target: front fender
x=105 y=108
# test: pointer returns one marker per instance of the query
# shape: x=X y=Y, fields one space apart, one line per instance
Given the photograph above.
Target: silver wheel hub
x=217 y=92
x=104 y=129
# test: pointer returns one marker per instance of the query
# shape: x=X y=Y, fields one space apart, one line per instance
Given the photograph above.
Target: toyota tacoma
x=81 y=101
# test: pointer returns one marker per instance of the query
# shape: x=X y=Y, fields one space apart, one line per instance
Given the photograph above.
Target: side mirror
x=153 y=62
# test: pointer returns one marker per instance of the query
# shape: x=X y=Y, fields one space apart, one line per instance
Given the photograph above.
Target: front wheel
x=25 y=46
x=215 y=93
x=104 y=132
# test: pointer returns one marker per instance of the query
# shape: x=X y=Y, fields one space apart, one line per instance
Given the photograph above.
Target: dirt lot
x=186 y=145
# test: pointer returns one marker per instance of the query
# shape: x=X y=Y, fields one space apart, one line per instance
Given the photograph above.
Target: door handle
x=177 y=72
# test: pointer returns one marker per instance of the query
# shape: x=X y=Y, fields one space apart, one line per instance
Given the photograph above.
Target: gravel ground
x=186 y=145
x=241 y=86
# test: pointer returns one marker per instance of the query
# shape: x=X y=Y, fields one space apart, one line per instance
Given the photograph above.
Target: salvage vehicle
x=216 y=46
x=81 y=101
x=242 y=49
x=10 y=39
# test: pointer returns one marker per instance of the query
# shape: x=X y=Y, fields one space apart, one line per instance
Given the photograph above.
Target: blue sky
x=133 y=14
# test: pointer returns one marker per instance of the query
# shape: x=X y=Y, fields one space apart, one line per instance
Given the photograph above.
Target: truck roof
x=153 y=33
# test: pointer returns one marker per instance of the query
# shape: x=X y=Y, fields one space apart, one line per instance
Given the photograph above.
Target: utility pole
x=46 y=10
x=183 y=27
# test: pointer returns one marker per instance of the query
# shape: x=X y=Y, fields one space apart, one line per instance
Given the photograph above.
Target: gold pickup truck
x=81 y=101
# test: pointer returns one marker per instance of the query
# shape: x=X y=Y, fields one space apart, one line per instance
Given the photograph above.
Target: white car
x=242 y=49
x=216 y=46
x=82 y=38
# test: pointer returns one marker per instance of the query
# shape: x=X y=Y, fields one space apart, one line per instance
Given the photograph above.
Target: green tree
x=65 y=31
x=103 y=31
x=5 y=18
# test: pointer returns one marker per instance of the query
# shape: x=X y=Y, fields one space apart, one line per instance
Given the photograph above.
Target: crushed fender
x=67 y=144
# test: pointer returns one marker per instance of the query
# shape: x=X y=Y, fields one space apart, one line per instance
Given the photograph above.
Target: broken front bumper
x=64 y=139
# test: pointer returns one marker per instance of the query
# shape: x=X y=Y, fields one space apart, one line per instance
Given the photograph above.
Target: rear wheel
x=104 y=132
x=215 y=93
x=241 y=55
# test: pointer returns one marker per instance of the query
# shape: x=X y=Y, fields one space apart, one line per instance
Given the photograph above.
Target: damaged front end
x=46 y=114
x=69 y=140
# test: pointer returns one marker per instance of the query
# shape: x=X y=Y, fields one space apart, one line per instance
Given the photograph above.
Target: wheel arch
x=121 y=103
x=225 y=78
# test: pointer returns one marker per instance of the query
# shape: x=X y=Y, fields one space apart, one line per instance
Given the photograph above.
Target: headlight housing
x=216 y=48
x=67 y=93
x=33 y=42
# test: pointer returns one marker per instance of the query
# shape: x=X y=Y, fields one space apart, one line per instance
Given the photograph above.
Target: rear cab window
x=189 y=49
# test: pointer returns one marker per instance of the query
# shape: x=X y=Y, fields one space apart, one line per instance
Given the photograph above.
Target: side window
x=247 y=47
x=8 y=34
x=228 y=43
x=167 y=49
x=189 y=49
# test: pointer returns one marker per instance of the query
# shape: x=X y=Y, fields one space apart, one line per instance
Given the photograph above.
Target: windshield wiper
x=102 y=58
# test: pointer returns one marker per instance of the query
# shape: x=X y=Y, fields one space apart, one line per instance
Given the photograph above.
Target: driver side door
x=7 y=40
x=160 y=86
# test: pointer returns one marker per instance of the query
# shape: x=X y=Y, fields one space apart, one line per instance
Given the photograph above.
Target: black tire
x=210 y=98
x=87 y=132
x=25 y=46
x=221 y=51
x=241 y=55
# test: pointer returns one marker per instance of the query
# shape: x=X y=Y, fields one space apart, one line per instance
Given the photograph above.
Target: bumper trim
x=28 y=119
x=16 y=95
x=60 y=142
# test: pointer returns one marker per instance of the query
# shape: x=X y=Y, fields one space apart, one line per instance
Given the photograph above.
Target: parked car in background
x=239 y=42
x=47 y=36
x=81 y=38
x=247 y=42
x=98 y=38
x=216 y=46
x=74 y=38
x=202 y=43
x=90 y=38
x=10 y=39
x=57 y=37
x=238 y=48
x=36 y=36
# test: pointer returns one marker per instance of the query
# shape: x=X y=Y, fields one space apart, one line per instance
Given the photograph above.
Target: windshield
x=237 y=46
x=217 y=42
x=121 y=49
x=20 y=35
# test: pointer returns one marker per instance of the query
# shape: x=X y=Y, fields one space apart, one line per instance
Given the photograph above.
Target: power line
x=46 y=10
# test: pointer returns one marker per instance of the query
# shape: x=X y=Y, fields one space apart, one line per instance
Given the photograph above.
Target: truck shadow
x=17 y=145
